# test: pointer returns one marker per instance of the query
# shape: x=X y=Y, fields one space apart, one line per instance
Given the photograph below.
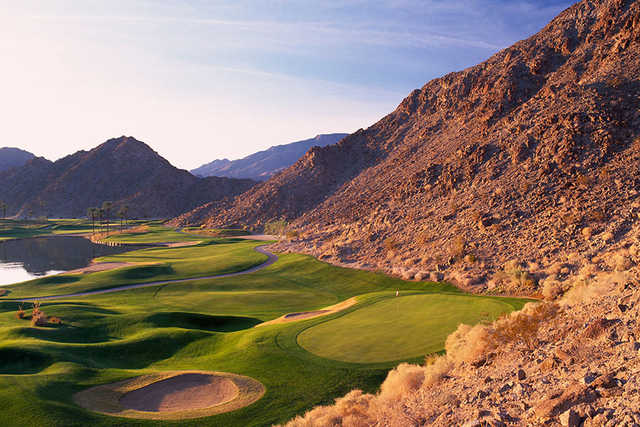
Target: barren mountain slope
x=557 y=184
x=512 y=158
x=13 y=157
x=122 y=170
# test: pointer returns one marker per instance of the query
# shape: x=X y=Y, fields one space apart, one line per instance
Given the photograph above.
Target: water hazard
x=26 y=259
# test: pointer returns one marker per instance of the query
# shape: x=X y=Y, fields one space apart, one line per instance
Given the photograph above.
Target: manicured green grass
x=153 y=234
x=201 y=325
x=398 y=327
x=211 y=257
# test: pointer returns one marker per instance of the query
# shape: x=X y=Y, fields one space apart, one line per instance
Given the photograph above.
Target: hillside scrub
x=549 y=361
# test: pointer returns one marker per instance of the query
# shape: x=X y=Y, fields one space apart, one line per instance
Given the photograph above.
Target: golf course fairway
x=128 y=340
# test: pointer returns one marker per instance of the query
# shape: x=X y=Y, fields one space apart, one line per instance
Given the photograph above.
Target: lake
x=26 y=259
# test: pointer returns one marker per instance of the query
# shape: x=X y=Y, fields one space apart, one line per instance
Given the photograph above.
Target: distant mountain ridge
x=11 y=157
x=122 y=170
x=264 y=164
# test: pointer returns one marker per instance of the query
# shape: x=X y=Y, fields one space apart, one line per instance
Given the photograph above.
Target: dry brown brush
x=402 y=398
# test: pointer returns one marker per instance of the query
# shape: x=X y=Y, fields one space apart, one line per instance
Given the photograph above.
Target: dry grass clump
x=406 y=385
x=551 y=288
x=390 y=244
x=521 y=327
x=458 y=247
x=38 y=318
x=292 y=234
x=20 y=314
x=355 y=409
x=518 y=274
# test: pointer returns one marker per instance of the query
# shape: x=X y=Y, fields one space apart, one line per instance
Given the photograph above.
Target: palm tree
x=92 y=213
x=106 y=206
x=100 y=215
x=122 y=213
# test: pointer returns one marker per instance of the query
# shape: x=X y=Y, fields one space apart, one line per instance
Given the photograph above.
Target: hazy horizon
x=202 y=80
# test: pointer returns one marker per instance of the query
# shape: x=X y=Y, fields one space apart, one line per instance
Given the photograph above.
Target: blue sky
x=199 y=80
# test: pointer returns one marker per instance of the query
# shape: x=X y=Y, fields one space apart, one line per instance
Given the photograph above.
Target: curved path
x=272 y=258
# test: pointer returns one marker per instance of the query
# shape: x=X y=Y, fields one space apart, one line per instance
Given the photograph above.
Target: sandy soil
x=180 y=393
x=180 y=244
x=292 y=317
x=263 y=237
x=100 y=266
x=174 y=395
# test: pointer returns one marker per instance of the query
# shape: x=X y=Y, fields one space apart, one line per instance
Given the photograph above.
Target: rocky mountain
x=529 y=157
x=13 y=157
x=540 y=151
x=264 y=164
x=122 y=170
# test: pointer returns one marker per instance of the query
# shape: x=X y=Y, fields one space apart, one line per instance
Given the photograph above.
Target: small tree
x=3 y=206
x=107 y=206
x=122 y=213
x=92 y=214
x=276 y=227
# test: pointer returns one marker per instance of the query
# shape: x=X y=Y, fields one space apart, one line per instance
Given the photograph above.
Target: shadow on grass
x=201 y=321
x=57 y=280
x=146 y=272
x=15 y=361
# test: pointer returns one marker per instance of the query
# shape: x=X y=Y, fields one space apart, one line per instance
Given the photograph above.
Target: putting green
x=397 y=328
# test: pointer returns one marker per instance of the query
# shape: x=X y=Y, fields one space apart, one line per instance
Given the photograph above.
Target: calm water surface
x=27 y=259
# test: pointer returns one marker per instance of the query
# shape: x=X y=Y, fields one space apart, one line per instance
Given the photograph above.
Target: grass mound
x=398 y=327
x=14 y=361
x=58 y=280
x=172 y=395
x=146 y=272
x=201 y=321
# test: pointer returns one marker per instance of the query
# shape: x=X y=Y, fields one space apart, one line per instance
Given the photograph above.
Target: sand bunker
x=186 y=391
x=172 y=395
x=304 y=314
x=180 y=244
x=100 y=266
x=292 y=317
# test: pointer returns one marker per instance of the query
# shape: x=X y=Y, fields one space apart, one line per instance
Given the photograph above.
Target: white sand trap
x=180 y=393
x=292 y=317
x=100 y=266
x=172 y=395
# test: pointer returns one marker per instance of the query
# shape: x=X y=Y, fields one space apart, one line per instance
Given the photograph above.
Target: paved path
x=272 y=258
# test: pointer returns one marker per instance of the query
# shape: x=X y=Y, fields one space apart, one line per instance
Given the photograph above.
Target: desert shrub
x=551 y=288
x=458 y=247
x=402 y=380
x=597 y=215
x=38 y=318
x=20 y=314
x=518 y=274
x=54 y=320
x=521 y=327
x=584 y=181
x=355 y=409
x=293 y=234
x=468 y=344
x=276 y=227
x=422 y=238
x=390 y=244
